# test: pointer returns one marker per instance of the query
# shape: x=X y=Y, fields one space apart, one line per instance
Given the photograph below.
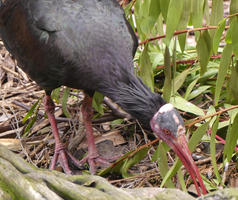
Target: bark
x=21 y=181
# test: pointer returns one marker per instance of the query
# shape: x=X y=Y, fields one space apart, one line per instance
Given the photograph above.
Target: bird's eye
x=166 y=131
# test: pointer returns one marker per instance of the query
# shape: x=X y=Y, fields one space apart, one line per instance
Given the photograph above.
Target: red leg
x=59 y=147
x=60 y=151
x=93 y=157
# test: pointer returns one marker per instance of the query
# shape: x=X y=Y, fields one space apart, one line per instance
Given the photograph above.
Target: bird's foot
x=95 y=159
x=60 y=155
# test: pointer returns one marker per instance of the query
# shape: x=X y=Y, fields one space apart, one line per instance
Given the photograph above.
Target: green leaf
x=160 y=25
x=204 y=47
x=206 y=12
x=197 y=13
x=179 y=79
x=211 y=110
x=181 y=180
x=168 y=79
x=172 y=171
x=190 y=88
x=234 y=33
x=132 y=161
x=127 y=9
x=186 y=106
x=183 y=22
x=97 y=102
x=232 y=113
x=218 y=34
x=210 y=73
x=146 y=71
x=139 y=18
x=213 y=148
x=198 y=91
x=233 y=81
x=228 y=38
x=225 y=62
x=163 y=163
x=197 y=136
x=227 y=144
x=64 y=101
x=116 y=122
x=182 y=41
x=174 y=66
x=154 y=10
x=123 y=165
x=216 y=14
x=128 y=14
x=146 y=14
x=116 y=168
x=233 y=7
x=55 y=94
x=31 y=111
x=146 y=25
x=231 y=139
x=164 y=5
x=29 y=125
x=174 y=14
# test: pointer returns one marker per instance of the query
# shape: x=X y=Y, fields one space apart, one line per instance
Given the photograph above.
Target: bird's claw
x=61 y=156
x=93 y=160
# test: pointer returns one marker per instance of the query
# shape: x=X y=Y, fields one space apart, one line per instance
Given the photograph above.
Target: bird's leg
x=60 y=152
x=93 y=156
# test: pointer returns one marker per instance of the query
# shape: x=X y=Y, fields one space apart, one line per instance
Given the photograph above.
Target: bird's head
x=168 y=125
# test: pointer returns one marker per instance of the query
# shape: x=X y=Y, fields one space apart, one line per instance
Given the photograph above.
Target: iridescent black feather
x=83 y=44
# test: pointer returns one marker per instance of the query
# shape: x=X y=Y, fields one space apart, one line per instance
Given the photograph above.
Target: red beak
x=180 y=147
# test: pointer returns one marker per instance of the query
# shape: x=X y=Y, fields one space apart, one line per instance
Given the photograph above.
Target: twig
x=10 y=71
x=180 y=32
x=105 y=118
x=199 y=119
x=189 y=61
x=135 y=151
x=207 y=160
x=27 y=108
x=116 y=110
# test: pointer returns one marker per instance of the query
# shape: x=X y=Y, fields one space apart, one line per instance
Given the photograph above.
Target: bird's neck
x=135 y=98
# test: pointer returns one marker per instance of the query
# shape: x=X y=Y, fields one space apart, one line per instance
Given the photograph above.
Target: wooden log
x=22 y=181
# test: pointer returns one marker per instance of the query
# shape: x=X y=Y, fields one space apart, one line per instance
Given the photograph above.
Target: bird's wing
x=82 y=16
x=81 y=38
x=44 y=14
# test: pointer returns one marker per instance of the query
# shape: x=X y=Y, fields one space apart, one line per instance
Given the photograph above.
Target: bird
x=88 y=45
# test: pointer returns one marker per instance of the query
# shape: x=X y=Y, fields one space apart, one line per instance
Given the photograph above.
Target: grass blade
x=213 y=148
x=168 y=76
x=225 y=62
x=64 y=101
x=231 y=139
x=31 y=111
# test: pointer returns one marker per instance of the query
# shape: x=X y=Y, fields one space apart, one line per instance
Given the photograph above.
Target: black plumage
x=51 y=39
x=89 y=45
x=76 y=44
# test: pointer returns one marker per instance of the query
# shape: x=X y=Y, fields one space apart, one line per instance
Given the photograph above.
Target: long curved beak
x=180 y=147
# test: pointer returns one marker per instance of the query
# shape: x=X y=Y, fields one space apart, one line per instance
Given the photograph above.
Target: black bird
x=89 y=45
